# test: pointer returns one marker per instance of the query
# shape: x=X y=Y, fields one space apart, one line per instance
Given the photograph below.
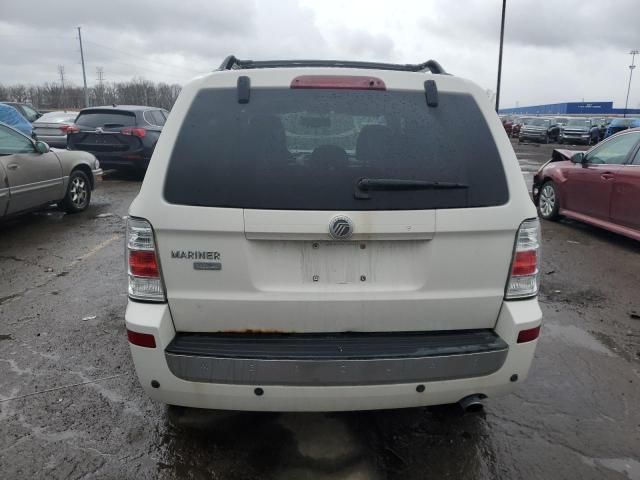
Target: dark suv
x=122 y=136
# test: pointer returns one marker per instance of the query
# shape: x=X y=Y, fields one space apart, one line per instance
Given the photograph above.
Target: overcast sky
x=562 y=50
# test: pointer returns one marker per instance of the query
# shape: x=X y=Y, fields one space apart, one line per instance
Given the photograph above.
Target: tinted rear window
x=306 y=149
x=101 y=118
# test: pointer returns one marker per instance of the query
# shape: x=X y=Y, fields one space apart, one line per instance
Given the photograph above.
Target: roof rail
x=232 y=63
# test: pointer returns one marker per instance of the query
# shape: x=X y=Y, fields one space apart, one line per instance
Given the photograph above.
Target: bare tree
x=67 y=96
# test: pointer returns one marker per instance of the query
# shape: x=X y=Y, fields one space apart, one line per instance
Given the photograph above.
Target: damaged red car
x=600 y=186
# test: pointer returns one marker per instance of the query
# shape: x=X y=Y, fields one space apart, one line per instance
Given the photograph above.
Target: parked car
x=12 y=117
x=620 y=124
x=540 y=129
x=278 y=260
x=27 y=110
x=517 y=125
x=600 y=187
x=52 y=128
x=122 y=136
x=602 y=123
x=507 y=123
x=580 y=130
x=32 y=175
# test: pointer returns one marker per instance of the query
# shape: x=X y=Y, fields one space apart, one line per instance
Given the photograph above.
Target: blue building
x=571 y=108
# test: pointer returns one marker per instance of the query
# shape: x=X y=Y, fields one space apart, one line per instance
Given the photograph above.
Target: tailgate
x=251 y=191
x=392 y=275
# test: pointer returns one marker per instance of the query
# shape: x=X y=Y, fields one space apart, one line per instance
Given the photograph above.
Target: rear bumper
x=134 y=159
x=334 y=359
x=138 y=158
x=58 y=141
x=295 y=392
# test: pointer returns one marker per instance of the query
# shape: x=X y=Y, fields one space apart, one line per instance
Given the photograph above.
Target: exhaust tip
x=472 y=403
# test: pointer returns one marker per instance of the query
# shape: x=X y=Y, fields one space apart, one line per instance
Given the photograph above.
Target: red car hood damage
x=562 y=154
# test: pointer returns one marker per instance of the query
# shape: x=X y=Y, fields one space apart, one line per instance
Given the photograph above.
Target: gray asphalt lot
x=71 y=407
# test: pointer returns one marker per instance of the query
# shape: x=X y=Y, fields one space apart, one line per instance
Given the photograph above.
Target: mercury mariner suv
x=328 y=235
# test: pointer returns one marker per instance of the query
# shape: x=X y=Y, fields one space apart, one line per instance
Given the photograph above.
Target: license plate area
x=312 y=266
x=336 y=263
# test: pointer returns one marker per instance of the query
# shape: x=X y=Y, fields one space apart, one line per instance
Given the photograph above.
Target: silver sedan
x=32 y=175
x=52 y=127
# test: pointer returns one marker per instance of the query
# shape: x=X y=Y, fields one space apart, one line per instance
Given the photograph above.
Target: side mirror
x=42 y=147
x=578 y=157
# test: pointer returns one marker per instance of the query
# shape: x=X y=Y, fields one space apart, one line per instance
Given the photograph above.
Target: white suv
x=317 y=236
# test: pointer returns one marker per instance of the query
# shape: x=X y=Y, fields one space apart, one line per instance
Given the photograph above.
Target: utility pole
x=633 y=54
x=84 y=74
x=504 y=8
x=61 y=73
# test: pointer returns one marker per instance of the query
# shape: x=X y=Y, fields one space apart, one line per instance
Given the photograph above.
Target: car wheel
x=519 y=140
x=78 y=193
x=548 y=203
x=560 y=141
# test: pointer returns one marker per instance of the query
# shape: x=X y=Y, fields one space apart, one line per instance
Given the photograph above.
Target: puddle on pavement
x=576 y=336
x=626 y=466
x=393 y=444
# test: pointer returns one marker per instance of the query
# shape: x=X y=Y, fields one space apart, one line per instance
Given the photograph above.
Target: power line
x=132 y=55
x=61 y=73
x=100 y=73
x=100 y=89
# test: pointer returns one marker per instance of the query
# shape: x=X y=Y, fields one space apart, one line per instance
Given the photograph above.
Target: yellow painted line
x=95 y=250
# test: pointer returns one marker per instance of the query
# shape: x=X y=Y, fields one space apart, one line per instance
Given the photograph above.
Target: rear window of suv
x=100 y=118
x=297 y=149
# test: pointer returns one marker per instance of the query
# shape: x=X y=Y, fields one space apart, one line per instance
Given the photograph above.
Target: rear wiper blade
x=113 y=125
x=364 y=185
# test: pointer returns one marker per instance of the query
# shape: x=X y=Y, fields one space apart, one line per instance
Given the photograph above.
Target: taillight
x=70 y=129
x=340 y=82
x=64 y=128
x=136 y=132
x=525 y=264
x=145 y=279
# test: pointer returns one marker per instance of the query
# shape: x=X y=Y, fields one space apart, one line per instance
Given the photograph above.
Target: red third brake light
x=340 y=82
x=142 y=263
x=136 y=132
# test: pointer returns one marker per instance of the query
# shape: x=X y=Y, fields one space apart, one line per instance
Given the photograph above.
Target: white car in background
x=323 y=236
